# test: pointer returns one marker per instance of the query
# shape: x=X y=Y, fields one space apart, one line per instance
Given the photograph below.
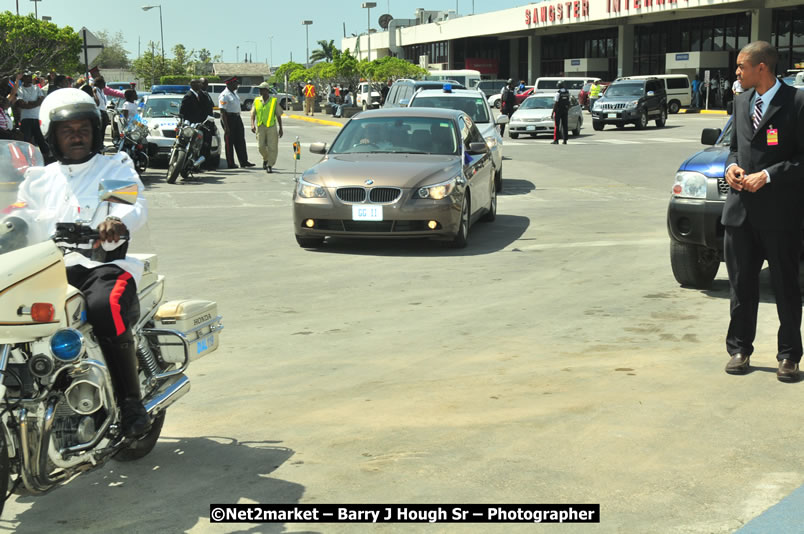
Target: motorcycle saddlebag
x=198 y=320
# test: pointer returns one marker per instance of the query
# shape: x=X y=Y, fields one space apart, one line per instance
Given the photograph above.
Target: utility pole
x=36 y=8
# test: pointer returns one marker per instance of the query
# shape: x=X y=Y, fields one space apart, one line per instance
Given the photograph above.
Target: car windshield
x=474 y=106
x=725 y=140
x=538 y=102
x=401 y=135
x=625 y=89
x=161 y=107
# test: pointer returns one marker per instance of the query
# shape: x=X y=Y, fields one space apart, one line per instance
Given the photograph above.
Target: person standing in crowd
x=561 y=113
x=209 y=110
x=507 y=102
x=7 y=129
x=763 y=211
x=101 y=100
x=234 y=133
x=736 y=87
x=266 y=115
x=29 y=99
x=192 y=105
x=385 y=90
x=696 y=92
x=594 y=93
x=309 y=98
x=130 y=105
x=521 y=87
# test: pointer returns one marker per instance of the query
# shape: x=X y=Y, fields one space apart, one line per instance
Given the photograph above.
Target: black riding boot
x=121 y=356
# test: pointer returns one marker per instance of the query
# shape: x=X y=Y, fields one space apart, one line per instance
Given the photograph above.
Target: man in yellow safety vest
x=309 y=98
x=594 y=93
x=266 y=115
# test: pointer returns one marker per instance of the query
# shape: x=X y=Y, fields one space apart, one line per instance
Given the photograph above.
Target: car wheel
x=462 y=235
x=662 y=120
x=642 y=122
x=598 y=126
x=577 y=131
x=674 y=106
x=492 y=213
x=693 y=265
x=309 y=242
x=620 y=125
x=498 y=181
x=513 y=135
x=284 y=105
x=248 y=105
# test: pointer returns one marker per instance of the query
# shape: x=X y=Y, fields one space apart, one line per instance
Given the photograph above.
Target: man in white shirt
x=67 y=191
x=29 y=98
x=234 y=132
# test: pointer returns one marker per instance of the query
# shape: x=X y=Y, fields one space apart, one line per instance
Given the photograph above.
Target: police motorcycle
x=59 y=412
x=185 y=156
x=133 y=141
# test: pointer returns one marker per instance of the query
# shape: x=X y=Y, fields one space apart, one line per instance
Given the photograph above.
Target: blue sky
x=223 y=25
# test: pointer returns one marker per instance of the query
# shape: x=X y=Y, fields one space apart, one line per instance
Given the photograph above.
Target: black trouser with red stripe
x=235 y=139
x=111 y=296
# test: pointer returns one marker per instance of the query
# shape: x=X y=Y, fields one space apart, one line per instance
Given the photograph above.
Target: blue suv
x=693 y=216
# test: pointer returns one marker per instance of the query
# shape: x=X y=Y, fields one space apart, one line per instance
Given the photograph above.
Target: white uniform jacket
x=67 y=193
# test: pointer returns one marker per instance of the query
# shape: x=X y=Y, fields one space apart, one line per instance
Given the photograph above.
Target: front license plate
x=530 y=128
x=366 y=213
x=612 y=115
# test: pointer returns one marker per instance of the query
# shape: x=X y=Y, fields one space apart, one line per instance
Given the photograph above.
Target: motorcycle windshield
x=16 y=157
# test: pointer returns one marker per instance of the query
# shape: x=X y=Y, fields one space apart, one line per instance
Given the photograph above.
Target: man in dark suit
x=193 y=104
x=763 y=210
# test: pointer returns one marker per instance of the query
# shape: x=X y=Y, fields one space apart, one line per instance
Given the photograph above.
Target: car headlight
x=491 y=141
x=308 y=190
x=689 y=185
x=437 y=191
x=633 y=104
x=597 y=106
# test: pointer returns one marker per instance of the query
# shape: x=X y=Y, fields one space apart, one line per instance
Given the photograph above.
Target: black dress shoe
x=738 y=364
x=232 y=166
x=247 y=164
x=788 y=371
x=135 y=419
x=265 y=165
x=269 y=170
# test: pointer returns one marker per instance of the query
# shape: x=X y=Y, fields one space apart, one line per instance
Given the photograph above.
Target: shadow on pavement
x=190 y=473
x=515 y=186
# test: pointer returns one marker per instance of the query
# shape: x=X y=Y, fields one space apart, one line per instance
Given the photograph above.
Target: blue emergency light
x=447 y=87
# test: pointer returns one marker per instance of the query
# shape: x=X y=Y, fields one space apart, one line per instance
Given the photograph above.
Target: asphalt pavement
x=554 y=360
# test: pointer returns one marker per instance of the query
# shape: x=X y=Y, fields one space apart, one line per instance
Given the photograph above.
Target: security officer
x=594 y=93
x=507 y=102
x=192 y=105
x=561 y=113
x=68 y=190
x=234 y=133
x=265 y=116
x=309 y=98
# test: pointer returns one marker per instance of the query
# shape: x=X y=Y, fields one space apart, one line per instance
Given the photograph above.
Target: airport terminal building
x=605 y=38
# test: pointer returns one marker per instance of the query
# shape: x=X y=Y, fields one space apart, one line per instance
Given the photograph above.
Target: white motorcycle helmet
x=69 y=105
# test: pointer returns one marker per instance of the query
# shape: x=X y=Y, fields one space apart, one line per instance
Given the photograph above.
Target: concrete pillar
x=513 y=60
x=761 y=23
x=625 y=50
x=534 y=58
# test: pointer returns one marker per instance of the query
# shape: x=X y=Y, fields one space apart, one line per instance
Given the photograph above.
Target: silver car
x=534 y=117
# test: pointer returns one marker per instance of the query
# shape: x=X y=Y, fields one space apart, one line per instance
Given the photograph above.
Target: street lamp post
x=271 y=56
x=161 y=28
x=36 y=8
x=307 y=31
x=368 y=6
x=256 y=51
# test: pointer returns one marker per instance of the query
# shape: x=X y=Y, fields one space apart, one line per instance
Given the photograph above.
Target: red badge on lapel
x=773 y=136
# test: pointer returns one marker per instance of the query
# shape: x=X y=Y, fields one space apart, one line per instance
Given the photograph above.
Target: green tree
x=28 y=43
x=150 y=66
x=326 y=51
x=182 y=59
x=390 y=67
x=287 y=68
x=204 y=56
x=113 y=55
x=347 y=71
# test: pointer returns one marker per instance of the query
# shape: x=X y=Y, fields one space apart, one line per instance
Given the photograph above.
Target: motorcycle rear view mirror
x=118 y=191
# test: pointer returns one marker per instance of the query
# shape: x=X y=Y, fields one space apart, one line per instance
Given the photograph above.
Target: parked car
x=631 y=102
x=491 y=87
x=160 y=113
x=534 y=117
x=403 y=89
x=474 y=104
x=583 y=95
x=247 y=95
x=677 y=88
x=549 y=84
x=397 y=173
x=367 y=96
x=496 y=102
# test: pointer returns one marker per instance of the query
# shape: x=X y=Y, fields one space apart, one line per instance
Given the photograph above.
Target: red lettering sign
x=527 y=16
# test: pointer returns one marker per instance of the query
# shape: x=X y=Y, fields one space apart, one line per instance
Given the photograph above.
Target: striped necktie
x=757 y=112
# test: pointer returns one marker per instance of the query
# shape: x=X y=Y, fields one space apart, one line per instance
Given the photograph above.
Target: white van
x=678 y=87
x=467 y=77
x=572 y=84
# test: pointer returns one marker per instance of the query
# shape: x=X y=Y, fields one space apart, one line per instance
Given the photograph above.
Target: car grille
x=169 y=133
x=723 y=186
x=376 y=195
x=345 y=225
x=605 y=105
x=351 y=194
x=384 y=195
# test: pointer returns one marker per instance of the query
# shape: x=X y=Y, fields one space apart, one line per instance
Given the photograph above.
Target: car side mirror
x=502 y=119
x=651 y=93
x=709 y=136
x=118 y=191
x=318 y=148
x=478 y=148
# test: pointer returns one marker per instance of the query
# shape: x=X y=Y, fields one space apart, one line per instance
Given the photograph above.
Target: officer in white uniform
x=67 y=191
x=234 y=132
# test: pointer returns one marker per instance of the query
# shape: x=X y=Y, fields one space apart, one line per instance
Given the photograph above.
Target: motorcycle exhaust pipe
x=172 y=390
x=199 y=161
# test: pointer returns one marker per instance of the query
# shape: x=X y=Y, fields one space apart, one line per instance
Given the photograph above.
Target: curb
x=704 y=111
x=316 y=121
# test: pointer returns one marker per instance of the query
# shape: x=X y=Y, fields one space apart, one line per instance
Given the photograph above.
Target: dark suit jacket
x=777 y=205
x=192 y=107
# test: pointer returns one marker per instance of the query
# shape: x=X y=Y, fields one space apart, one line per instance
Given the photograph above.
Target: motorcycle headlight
x=67 y=345
x=689 y=185
x=437 y=191
x=308 y=190
x=633 y=104
x=187 y=131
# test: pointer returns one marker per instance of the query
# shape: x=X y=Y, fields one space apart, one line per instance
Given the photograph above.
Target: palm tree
x=326 y=51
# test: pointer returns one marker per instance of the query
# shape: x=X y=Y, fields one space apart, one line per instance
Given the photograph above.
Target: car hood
x=386 y=170
x=532 y=114
x=710 y=162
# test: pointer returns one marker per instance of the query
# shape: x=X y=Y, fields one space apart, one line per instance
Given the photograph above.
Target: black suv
x=631 y=101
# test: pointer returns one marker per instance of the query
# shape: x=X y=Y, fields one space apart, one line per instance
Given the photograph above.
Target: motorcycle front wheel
x=144 y=445
x=176 y=164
